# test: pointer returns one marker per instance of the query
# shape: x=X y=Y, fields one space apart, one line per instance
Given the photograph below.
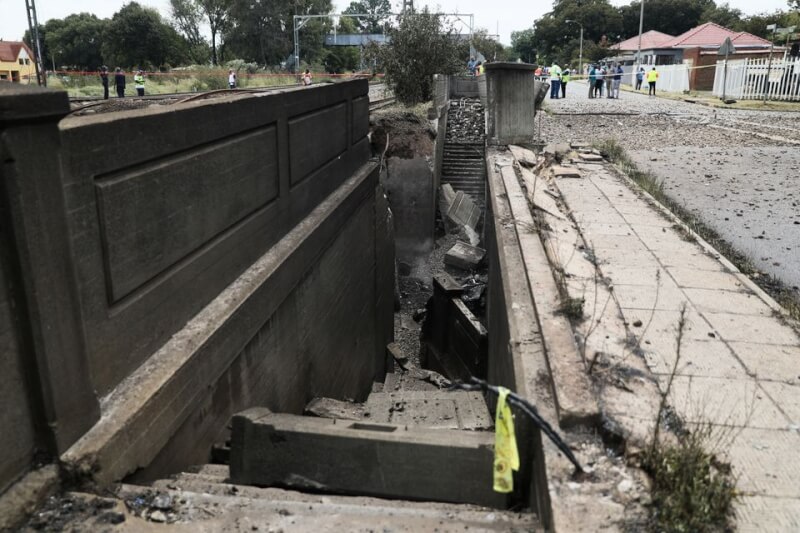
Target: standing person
x=231 y=79
x=639 y=78
x=537 y=74
x=555 y=81
x=564 y=81
x=652 y=76
x=608 y=74
x=138 y=82
x=617 y=80
x=104 y=81
x=599 y=82
x=307 y=77
x=471 y=66
x=119 y=82
x=479 y=68
x=592 y=80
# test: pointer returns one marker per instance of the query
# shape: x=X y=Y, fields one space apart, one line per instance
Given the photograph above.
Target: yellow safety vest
x=652 y=75
x=138 y=79
x=565 y=78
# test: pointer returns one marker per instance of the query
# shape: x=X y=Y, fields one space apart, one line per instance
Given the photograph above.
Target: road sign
x=727 y=48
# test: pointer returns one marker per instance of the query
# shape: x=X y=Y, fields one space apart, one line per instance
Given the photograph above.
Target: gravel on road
x=744 y=186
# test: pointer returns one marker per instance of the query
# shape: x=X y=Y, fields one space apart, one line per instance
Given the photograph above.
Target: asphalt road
x=746 y=187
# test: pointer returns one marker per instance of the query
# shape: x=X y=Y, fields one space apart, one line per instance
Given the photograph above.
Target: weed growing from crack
x=572 y=308
x=784 y=295
x=692 y=490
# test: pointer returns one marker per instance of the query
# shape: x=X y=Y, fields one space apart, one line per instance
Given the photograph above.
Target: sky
x=505 y=15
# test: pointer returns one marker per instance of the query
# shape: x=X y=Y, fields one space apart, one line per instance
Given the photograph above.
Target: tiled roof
x=713 y=35
x=9 y=50
x=651 y=39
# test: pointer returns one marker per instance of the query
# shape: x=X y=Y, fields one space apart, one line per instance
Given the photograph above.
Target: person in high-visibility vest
x=138 y=82
x=555 y=81
x=652 y=76
x=564 y=81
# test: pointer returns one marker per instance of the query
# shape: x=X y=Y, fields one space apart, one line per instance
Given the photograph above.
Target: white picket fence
x=671 y=78
x=747 y=79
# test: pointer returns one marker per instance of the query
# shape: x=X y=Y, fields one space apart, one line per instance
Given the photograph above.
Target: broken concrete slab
x=463 y=211
x=330 y=408
x=557 y=150
x=591 y=157
x=566 y=172
x=269 y=449
x=432 y=409
x=524 y=157
x=463 y=255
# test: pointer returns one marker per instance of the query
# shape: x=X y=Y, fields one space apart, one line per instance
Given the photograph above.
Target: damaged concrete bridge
x=234 y=315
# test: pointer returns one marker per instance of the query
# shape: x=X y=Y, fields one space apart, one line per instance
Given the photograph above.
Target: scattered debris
x=464 y=255
x=566 y=172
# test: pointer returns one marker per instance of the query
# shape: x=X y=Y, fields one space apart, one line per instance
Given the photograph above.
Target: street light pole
x=580 y=53
x=638 y=61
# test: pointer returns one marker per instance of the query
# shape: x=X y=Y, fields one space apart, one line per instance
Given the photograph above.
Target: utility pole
x=638 y=61
x=33 y=27
x=408 y=4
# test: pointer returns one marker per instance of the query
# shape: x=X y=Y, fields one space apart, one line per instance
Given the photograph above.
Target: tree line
x=552 y=38
x=257 y=31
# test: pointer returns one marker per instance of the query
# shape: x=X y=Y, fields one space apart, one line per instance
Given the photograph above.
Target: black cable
x=526 y=407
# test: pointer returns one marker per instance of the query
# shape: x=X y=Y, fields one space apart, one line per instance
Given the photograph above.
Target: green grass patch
x=784 y=295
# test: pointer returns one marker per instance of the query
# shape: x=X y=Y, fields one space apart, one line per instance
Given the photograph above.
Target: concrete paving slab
x=787 y=397
x=629 y=243
x=720 y=301
x=692 y=278
x=667 y=298
x=709 y=358
x=696 y=261
x=765 y=461
x=770 y=361
x=657 y=324
x=592 y=229
x=623 y=273
x=767 y=514
x=725 y=402
x=754 y=329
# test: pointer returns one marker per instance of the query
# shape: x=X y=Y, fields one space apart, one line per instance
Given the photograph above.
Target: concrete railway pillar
x=510 y=106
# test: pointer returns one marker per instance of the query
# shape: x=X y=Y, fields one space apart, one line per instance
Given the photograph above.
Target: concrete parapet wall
x=516 y=350
x=124 y=228
x=180 y=202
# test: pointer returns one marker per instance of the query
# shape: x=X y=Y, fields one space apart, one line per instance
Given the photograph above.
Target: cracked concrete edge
x=574 y=394
x=23 y=497
x=708 y=248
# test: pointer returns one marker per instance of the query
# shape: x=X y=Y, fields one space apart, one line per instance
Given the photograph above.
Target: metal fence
x=752 y=79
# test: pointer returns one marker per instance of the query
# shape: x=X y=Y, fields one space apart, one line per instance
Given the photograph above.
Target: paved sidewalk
x=740 y=362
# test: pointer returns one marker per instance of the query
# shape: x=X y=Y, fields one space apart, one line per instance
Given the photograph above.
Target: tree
x=421 y=45
x=379 y=9
x=724 y=15
x=672 y=17
x=341 y=58
x=76 y=40
x=488 y=45
x=137 y=36
x=261 y=30
x=524 y=45
x=216 y=13
x=187 y=17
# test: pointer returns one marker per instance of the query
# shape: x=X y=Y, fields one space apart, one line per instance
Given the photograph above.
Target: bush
x=422 y=45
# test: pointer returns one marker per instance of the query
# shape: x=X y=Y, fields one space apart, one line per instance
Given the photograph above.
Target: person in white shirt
x=307 y=77
x=231 y=79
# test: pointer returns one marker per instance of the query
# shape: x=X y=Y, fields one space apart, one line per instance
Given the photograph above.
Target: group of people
x=475 y=68
x=119 y=82
x=558 y=77
x=609 y=76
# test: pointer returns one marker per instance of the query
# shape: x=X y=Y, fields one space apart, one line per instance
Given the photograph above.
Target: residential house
x=16 y=62
x=697 y=48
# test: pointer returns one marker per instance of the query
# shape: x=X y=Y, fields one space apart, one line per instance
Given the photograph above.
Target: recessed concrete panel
x=315 y=139
x=360 y=118
x=159 y=212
